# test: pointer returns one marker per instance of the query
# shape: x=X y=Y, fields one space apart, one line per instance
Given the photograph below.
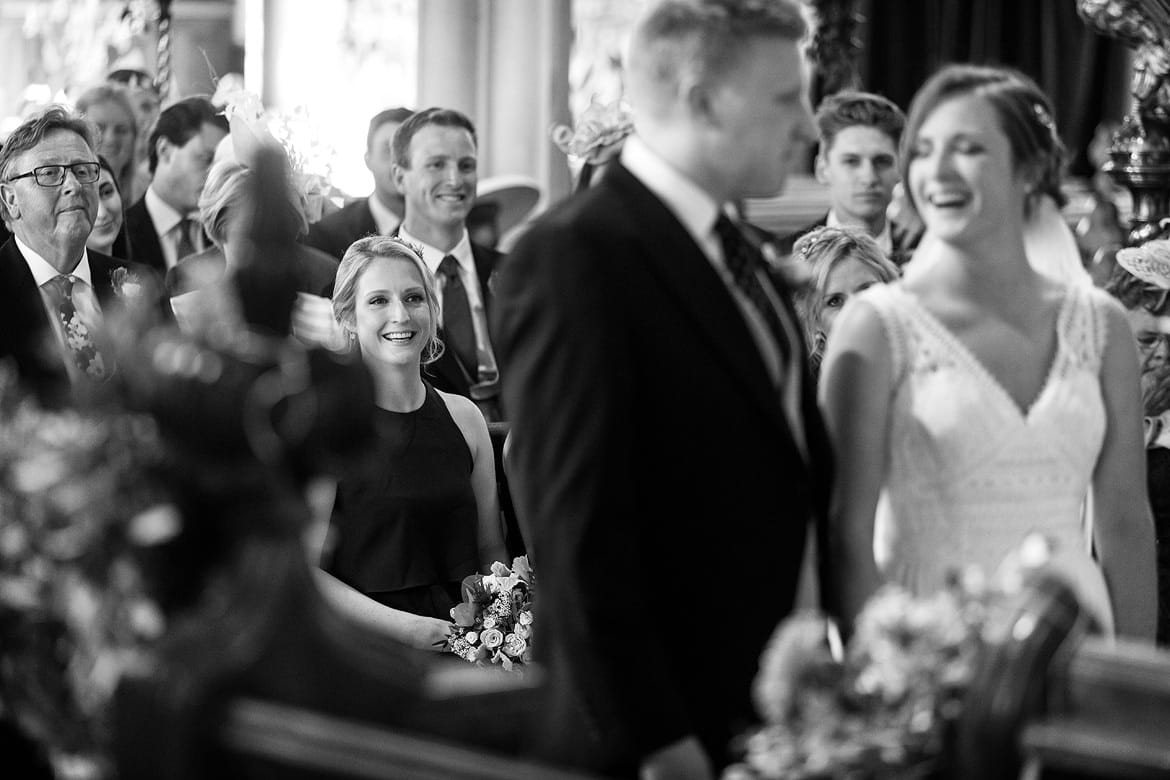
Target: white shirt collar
x=385 y=219
x=432 y=256
x=884 y=239
x=43 y=271
x=161 y=214
x=694 y=208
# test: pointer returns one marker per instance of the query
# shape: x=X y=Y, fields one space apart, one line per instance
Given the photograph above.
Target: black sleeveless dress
x=405 y=526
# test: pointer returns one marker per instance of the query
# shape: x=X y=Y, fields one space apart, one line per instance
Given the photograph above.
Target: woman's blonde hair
x=357 y=259
x=228 y=188
x=822 y=249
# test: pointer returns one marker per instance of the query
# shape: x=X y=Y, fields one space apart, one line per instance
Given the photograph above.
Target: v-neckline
x=980 y=369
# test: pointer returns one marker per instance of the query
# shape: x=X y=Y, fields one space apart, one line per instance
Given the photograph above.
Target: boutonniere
x=127 y=284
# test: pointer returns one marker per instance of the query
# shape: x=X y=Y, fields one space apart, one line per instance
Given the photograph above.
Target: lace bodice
x=969 y=474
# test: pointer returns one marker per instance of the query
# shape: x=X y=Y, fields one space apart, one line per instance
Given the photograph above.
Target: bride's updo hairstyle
x=1024 y=112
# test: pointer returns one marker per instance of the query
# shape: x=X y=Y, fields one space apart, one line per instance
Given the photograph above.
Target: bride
x=975 y=402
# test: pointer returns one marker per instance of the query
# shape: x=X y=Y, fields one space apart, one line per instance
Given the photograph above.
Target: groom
x=668 y=454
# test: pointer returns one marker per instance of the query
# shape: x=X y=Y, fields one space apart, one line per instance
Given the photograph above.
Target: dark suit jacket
x=26 y=335
x=144 y=243
x=334 y=233
x=668 y=502
x=145 y=246
x=904 y=241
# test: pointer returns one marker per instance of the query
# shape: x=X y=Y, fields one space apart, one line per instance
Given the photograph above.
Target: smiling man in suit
x=380 y=213
x=52 y=289
x=664 y=425
x=436 y=170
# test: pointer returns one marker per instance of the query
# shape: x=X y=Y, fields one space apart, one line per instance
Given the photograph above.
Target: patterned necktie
x=186 y=245
x=745 y=263
x=78 y=340
x=457 y=323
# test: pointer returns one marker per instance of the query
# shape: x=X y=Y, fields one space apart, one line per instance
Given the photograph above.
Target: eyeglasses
x=54 y=175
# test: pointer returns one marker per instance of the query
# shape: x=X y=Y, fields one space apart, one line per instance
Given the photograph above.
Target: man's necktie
x=457 y=323
x=745 y=263
x=185 y=246
x=78 y=340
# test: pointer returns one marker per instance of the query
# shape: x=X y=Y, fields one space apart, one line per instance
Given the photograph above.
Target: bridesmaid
x=424 y=514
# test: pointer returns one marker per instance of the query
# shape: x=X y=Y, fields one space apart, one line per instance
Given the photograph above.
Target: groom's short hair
x=702 y=38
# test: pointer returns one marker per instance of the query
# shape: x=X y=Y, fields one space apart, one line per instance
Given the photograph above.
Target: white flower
x=492 y=638
x=525 y=618
x=472 y=637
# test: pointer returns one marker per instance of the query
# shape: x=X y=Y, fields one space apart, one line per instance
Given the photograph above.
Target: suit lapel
x=144 y=243
x=687 y=273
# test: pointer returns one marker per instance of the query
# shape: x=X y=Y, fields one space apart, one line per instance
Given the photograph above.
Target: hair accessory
x=253 y=127
x=1044 y=117
x=597 y=134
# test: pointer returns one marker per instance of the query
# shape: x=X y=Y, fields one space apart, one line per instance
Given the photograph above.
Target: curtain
x=1085 y=74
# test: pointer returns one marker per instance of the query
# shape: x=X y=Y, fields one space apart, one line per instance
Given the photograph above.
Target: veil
x=1050 y=245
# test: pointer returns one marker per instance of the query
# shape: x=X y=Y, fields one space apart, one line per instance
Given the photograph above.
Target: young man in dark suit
x=163 y=226
x=380 y=213
x=52 y=289
x=435 y=169
x=858 y=161
x=668 y=453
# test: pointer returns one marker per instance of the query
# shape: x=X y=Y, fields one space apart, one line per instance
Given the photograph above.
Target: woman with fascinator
x=976 y=401
x=424 y=513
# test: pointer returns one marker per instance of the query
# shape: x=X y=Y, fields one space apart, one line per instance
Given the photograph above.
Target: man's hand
x=682 y=760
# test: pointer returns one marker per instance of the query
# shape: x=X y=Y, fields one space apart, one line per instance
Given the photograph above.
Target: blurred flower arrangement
x=310 y=157
x=77 y=512
x=881 y=710
x=494 y=622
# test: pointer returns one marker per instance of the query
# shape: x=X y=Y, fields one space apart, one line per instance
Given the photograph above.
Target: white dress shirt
x=167 y=225
x=697 y=212
x=470 y=278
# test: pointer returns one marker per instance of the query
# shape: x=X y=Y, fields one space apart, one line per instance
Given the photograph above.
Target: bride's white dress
x=969 y=473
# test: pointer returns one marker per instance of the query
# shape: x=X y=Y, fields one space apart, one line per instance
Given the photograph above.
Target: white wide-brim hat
x=514 y=195
x=1149 y=262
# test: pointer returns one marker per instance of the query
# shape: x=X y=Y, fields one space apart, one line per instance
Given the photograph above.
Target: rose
x=492 y=638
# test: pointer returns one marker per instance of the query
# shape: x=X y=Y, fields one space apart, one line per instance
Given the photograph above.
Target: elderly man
x=52 y=289
x=435 y=160
x=380 y=213
x=858 y=160
x=664 y=421
x=164 y=225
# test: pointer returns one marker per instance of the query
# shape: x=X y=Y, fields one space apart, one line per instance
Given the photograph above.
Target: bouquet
x=78 y=511
x=882 y=708
x=494 y=621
